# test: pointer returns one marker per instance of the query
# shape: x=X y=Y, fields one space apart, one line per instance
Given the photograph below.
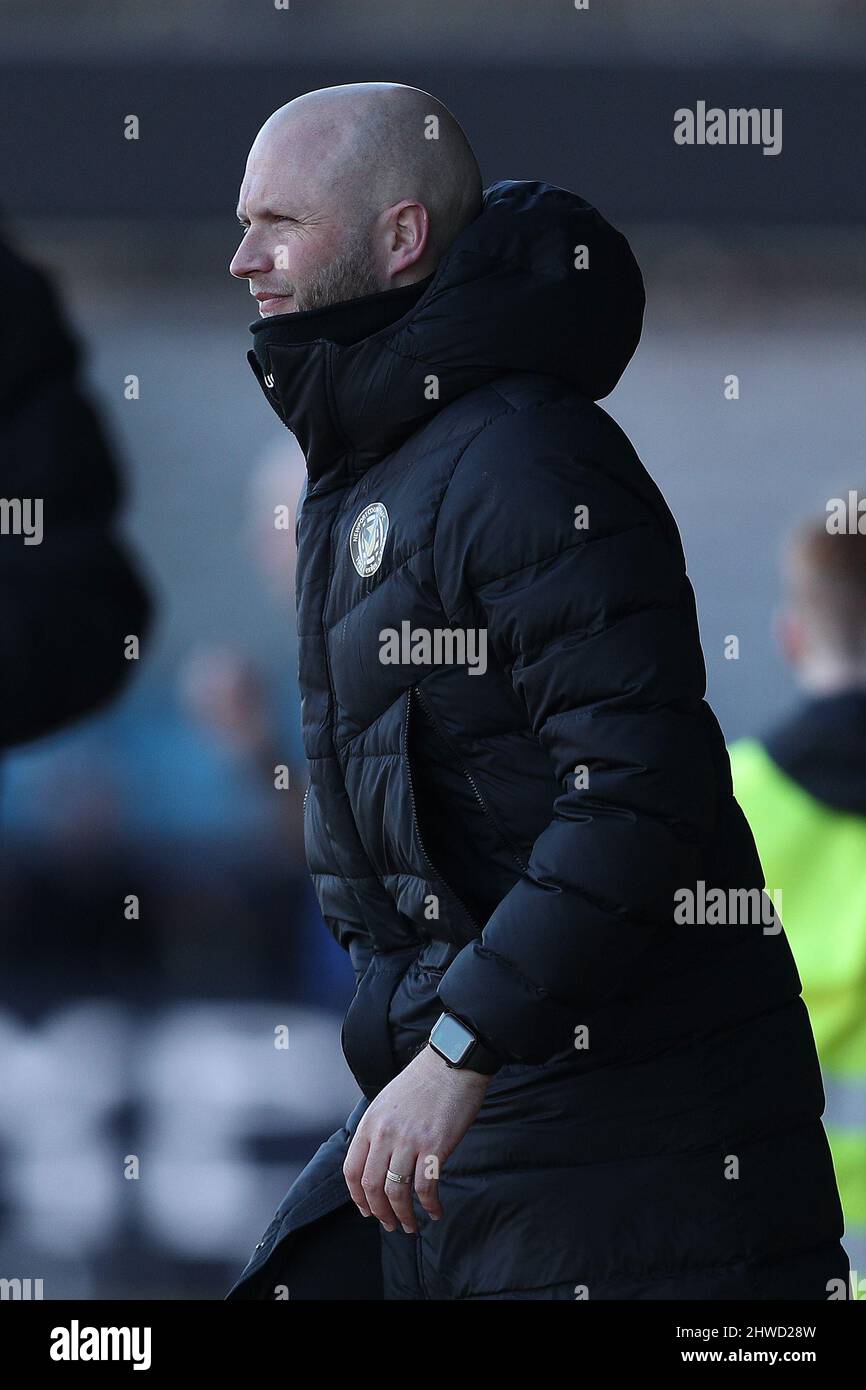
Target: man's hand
x=411 y=1128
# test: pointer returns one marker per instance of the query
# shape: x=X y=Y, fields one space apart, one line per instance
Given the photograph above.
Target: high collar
x=297 y=357
x=353 y=381
x=822 y=746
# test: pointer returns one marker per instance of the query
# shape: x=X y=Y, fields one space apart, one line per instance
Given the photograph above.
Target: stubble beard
x=349 y=275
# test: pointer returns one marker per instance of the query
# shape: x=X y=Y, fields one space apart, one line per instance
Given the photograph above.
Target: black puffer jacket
x=67 y=604
x=507 y=842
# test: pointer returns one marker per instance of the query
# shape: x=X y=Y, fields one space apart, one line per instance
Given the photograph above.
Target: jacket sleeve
x=67 y=602
x=596 y=628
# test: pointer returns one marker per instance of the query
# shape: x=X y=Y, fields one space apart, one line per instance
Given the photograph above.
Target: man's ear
x=408 y=236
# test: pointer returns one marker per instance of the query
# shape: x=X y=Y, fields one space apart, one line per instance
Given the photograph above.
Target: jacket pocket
x=449 y=746
x=472 y=925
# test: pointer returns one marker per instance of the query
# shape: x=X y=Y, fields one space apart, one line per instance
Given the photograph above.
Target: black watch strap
x=482 y=1059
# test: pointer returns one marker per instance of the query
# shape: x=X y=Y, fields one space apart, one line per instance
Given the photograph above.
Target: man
x=803 y=788
x=512 y=768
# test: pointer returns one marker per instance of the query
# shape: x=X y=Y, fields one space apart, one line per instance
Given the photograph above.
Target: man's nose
x=249 y=259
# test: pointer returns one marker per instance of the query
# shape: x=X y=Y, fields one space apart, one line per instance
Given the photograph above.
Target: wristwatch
x=459 y=1047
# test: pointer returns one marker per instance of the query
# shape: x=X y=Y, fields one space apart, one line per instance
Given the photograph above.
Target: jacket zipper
x=429 y=862
x=469 y=778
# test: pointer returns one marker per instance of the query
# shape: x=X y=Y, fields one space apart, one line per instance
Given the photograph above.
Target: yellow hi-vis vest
x=816 y=856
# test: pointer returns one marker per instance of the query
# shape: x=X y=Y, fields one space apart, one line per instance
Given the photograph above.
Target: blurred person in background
x=802 y=786
x=564 y=1088
x=70 y=596
x=229 y=702
x=250 y=725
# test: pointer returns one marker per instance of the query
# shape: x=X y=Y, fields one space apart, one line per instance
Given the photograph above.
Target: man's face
x=297 y=251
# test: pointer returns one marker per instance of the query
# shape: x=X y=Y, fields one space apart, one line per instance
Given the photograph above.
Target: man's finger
x=399 y=1194
x=353 y=1171
x=427 y=1184
x=373 y=1183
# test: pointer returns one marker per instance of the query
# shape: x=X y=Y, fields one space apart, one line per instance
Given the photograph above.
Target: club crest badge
x=367 y=539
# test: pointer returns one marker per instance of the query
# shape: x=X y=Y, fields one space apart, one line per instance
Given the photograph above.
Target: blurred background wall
x=153 y=1036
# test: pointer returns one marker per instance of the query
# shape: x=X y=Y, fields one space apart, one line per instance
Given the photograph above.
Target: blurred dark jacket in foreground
x=69 y=596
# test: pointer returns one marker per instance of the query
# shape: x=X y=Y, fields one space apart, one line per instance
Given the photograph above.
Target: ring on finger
x=396 y=1177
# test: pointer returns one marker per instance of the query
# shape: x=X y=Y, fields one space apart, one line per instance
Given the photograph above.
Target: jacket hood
x=353 y=380
x=822 y=746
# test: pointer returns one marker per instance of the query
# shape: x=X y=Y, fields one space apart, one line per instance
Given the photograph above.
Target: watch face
x=452 y=1038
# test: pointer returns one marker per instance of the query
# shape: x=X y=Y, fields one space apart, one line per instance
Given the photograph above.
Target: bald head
x=349 y=190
